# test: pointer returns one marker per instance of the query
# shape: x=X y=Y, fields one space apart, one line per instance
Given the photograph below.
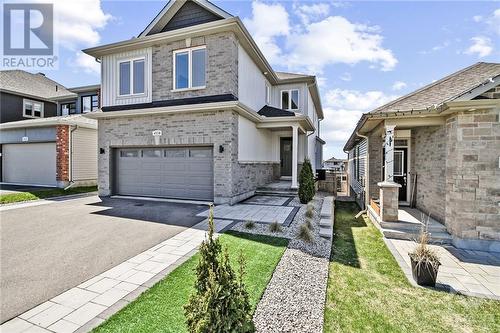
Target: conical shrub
x=306 y=183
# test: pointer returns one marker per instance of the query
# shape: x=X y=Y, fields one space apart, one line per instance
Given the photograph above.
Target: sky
x=364 y=53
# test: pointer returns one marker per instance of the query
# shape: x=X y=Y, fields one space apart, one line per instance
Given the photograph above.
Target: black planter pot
x=425 y=273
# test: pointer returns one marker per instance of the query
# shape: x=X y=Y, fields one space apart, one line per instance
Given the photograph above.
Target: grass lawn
x=160 y=309
x=43 y=194
x=368 y=292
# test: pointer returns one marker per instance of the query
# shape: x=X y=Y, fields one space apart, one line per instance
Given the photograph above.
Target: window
x=68 y=108
x=290 y=99
x=90 y=103
x=189 y=68
x=356 y=163
x=129 y=153
x=132 y=80
x=398 y=163
x=268 y=95
x=32 y=109
x=152 y=153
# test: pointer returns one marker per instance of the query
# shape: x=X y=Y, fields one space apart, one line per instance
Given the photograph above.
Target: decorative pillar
x=295 y=153
x=389 y=201
x=389 y=153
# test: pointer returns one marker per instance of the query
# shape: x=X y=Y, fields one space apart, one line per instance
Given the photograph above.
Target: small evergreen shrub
x=305 y=233
x=249 y=224
x=220 y=302
x=275 y=227
x=310 y=211
x=306 y=182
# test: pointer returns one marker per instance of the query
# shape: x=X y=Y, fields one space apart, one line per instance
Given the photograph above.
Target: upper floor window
x=32 y=109
x=268 y=95
x=290 y=99
x=68 y=108
x=90 y=103
x=189 y=68
x=132 y=77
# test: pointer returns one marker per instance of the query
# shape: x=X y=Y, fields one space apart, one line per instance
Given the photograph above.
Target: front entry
x=286 y=156
x=400 y=171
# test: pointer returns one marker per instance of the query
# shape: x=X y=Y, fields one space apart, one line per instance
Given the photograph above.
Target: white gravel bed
x=294 y=299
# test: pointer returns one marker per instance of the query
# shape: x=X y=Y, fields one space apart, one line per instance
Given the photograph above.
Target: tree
x=220 y=302
x=306 y=183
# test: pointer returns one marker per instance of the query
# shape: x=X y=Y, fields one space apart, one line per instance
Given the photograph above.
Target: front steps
x=327 y=218
x=281 y=188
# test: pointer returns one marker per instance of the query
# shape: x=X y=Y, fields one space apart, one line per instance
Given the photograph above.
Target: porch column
x=295 y=154
x=389 y=154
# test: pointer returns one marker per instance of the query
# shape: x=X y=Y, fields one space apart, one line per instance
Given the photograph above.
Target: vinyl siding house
x=436 y=149
x=44 y=139
x=191 y=109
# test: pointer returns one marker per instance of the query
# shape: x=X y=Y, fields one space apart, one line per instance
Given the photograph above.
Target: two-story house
x=44 y=139
x=191 y=109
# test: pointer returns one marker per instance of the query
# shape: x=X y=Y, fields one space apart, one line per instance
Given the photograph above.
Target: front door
x=286 y=156
x=400 y=171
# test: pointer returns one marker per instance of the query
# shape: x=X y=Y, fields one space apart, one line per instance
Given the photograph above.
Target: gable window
x=32 y=109
x=68 y=108
x=189 y=68
x=290 y=99
x=132 y=77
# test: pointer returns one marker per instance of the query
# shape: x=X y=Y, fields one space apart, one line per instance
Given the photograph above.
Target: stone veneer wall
x=62 y=155
x=221 y=67
x=187 y=128
x=429 y=163
x=473 y=175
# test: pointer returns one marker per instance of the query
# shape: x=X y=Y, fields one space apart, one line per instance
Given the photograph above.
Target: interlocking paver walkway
x=87 y=305
x=474 y=273
x=269 y=200
x=255 y=213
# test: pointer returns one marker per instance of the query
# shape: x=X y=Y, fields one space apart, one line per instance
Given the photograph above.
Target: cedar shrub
x=306 y=183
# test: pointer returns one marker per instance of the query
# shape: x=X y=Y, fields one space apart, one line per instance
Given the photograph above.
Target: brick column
x=389 y=201
x=62 y=155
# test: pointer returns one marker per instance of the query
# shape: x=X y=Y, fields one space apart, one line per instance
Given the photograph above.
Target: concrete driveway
x=48 y=249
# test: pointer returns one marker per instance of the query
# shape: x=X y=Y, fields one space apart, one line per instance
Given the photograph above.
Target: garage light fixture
x=221 y=149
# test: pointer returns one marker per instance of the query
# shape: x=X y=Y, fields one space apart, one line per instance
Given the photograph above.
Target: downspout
x=71 y=182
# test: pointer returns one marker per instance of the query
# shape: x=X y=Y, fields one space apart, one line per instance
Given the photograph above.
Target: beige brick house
x=436 y=149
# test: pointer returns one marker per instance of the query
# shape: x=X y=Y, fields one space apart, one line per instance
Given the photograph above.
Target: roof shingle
x=38 y=85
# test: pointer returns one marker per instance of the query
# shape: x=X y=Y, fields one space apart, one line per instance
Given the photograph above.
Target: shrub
x=310 y=211
x=305 y=233
x=306 y=182
x=275 y=227
x=220 y=302
x=249 y=224
x=308 y=223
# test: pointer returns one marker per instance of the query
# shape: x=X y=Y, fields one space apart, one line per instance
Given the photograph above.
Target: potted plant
x=424 y=260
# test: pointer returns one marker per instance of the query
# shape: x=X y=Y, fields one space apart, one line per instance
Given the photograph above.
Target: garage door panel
x=168 y=172
x=29 y=163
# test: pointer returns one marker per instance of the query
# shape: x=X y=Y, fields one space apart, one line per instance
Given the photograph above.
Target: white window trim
x=131 y=62
x=190 y=68
x=290 y=99
x=32 y=102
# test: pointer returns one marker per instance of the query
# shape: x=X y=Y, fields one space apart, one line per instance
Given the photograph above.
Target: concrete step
x=325 y=232
x=412 y=227
x=276 y=192
x=327 y=207
x=435 y=237
x=326 y=223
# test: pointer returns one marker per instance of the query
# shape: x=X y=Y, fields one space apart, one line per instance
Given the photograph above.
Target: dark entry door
x=286 y=156
x=400 y=170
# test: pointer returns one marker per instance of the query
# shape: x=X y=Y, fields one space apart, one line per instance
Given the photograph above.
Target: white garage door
x=185 y=173
x=30 y=163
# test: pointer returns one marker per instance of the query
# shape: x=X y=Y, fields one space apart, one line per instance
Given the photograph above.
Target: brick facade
x=62 y=154
x=221 y=67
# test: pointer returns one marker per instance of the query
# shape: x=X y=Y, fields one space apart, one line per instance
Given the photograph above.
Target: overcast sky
x=364 y=53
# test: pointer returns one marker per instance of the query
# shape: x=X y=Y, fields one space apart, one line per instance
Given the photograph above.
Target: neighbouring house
x=44 y=138
x=191 y=109
x=335 y=164
x=436 y=149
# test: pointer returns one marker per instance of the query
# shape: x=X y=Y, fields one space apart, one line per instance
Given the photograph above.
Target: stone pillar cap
x=388 y=184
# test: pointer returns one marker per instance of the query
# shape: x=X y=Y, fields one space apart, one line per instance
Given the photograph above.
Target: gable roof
x=161 y=21
x=444 y=90
x=35 y=85
x=293 y=76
